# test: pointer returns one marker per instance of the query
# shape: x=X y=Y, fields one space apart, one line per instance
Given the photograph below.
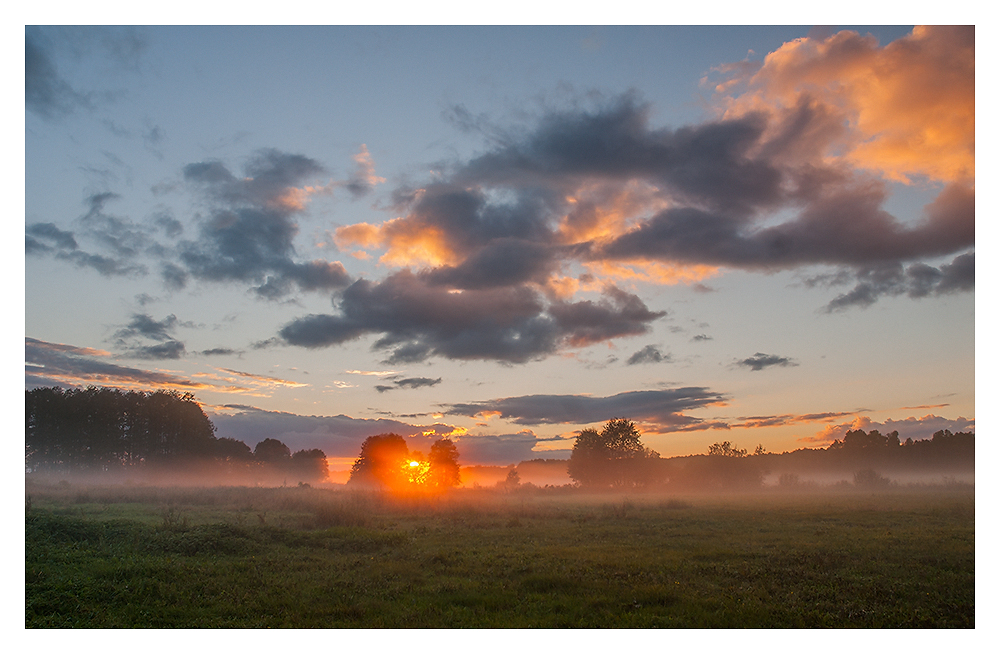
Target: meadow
x=142 y=556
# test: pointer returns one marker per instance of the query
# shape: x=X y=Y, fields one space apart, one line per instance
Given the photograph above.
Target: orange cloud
x=358 y=235
x=651 y=271
x=407 y=242
x=295 y=199
x=365 y=172
x=602 y=212
x=909 y=106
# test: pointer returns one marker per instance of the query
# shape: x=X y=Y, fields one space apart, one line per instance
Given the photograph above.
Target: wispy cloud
x=759 y=361
x=409 y=382
x=662 y=411
x=48 y=364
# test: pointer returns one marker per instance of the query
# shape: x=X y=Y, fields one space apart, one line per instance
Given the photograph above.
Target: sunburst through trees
x=385 y=462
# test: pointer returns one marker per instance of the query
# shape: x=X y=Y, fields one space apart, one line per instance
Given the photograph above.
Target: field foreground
x=307 y=557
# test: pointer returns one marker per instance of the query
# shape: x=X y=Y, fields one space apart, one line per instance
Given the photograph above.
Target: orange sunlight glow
x=417 y=472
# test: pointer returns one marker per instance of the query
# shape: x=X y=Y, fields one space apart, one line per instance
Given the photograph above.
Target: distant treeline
x=616 y=458
x=110 y=431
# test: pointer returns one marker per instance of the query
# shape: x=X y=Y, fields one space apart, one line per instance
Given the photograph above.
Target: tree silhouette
x=381 y=462
x=271 y=450
x=386 y=462
x=107 y=429
x=725 y=448
x=308 y=465
x=444 y=468
x=612 y=457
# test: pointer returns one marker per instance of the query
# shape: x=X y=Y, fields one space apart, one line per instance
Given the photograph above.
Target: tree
x=309 y=465
x=387 y=463
x=108 y=429
x=381 y=462
x=444 y=468
x=271 y=450
x=614 y=456
x=725 y=448
x=232 y=450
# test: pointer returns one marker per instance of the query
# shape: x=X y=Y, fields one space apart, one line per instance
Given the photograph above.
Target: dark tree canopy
x=102 y=429
x=444 y=468
x=309 y=465
x=271 y=450
x=612 y=457
x=108 y=430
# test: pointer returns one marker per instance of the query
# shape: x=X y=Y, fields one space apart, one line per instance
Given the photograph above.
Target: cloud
x=57 y=364
x=759 y=361
x=337 y=436
x=341 y=436
x=663 y=410
x=915 y=428
x=409 y=382
x=916 y=281
x=46 y=94
x=124 y=241
x=648 y=354
x=787 y=176
x=49 y=232
x=248 y=235
x=264 y=380
x=220 y=351
x=501 y=449
x=752 y=422
x=363 y=180
x=417 y=319
x=908 y=106
x=144 y=327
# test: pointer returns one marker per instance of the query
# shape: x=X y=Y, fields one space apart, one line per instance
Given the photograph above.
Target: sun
x=417 y=472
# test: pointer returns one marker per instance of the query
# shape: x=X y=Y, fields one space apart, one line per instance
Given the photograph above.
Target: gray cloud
x=144 y=327
x=499 y=449
x=409 y=382
x=337 y=436
x=57 y=364
x=341 y=435
x=248 y=235
x=46 y=94
x=759 y=361
x=124 y=241
x=916 y=281
x=648 y=354
x=662 y=408
x=502 y=262
x=724 y=181
x=49 y=232
x=417 y=320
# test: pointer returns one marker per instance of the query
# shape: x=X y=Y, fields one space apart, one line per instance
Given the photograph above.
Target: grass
x=301 y=557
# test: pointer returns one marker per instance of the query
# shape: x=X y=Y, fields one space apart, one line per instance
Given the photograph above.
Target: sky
x=504 y=235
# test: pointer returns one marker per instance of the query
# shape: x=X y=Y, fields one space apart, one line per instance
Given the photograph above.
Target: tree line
x=109 y=430
x=615 y=458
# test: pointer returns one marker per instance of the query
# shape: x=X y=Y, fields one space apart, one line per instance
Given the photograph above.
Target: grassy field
x=306 y=557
